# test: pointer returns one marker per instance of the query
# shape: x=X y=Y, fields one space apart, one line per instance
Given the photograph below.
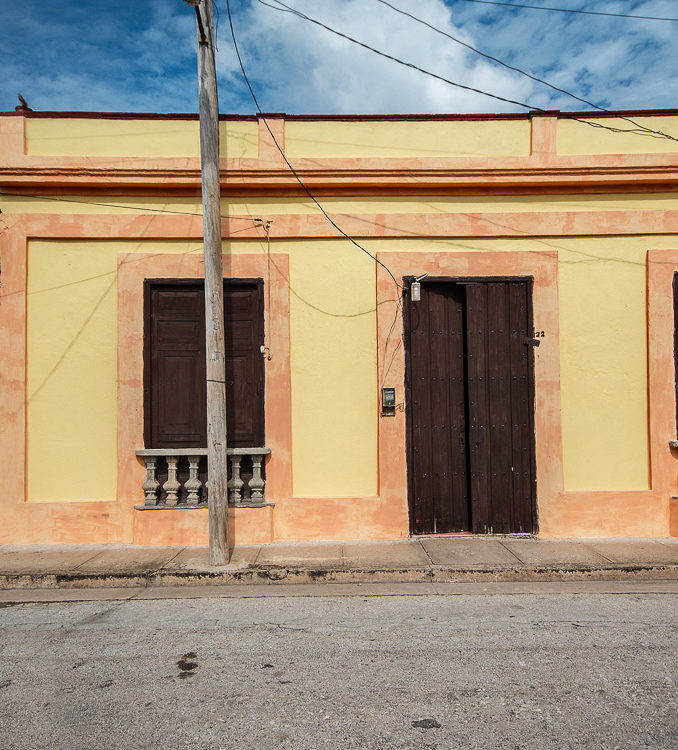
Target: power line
x=572 y=10
x=118 y=205
x=399 y=305
x=283 y=8
x=287 y=9
x=519 y=70
x=291 y=168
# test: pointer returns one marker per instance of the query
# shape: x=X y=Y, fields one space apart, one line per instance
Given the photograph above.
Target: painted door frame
x=407 y=331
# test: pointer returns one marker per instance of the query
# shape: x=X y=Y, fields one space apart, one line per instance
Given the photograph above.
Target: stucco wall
x=71 y=136
x=340 y=478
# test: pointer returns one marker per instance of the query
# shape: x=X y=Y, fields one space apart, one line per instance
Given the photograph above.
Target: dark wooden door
x=470 y=403
x=175 y=400
x=437 y=411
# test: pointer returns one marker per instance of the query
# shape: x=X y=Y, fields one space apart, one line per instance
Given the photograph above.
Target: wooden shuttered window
x=175 y=401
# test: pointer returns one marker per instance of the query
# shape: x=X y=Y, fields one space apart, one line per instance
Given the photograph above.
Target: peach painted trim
x=22 y=522
x=190 y=527
x=341 y=518
x=132 y=270
x=12 y=362
x=482 y=224
x=543 y=138
x=403 y=176
x=661 y=266
x=638 y=513
x=543 y=268
x=268 y=151
x=597 y=514
x=12 y=139
x=414 y=225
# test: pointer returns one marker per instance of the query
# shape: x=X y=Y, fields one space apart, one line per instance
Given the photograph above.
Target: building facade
x=477 y=336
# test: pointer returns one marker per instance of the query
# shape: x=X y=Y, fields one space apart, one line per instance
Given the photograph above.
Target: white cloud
x=302 y=67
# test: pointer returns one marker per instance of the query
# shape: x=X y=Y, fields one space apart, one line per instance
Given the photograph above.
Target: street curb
x=270 y=575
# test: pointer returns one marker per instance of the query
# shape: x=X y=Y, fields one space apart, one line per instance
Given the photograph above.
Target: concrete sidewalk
x=423 y=559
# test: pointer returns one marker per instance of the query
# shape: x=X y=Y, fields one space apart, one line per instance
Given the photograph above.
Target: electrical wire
x=99 y=275
x=320 y=310
x=216 y=30
x=118 y=205
x=291 y=168
x=283 y=8
x=520 y=70
x=572 y=10
x=267 y=333
x=399 y=304
x=287 y=9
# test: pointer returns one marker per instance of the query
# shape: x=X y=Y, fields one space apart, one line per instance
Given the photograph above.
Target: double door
x=470 y=406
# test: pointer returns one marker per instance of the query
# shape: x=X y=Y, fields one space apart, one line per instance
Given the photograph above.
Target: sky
x=139 y=56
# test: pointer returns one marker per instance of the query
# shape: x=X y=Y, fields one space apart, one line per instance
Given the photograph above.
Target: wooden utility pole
x=214 y=286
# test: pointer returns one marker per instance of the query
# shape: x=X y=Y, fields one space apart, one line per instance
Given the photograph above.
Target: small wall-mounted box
x=388 y=402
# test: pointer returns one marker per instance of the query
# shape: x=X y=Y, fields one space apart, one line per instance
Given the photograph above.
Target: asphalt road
x=535 y=670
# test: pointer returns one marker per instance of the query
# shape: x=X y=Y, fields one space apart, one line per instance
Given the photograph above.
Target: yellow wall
x=577 y=137
x=71 y=378
x=72 y=312
x=406 y=138
x=72 y=365
x=110 y=137
x=313 y=139
x=334 y=376
x=603 y=338
x=72 y=356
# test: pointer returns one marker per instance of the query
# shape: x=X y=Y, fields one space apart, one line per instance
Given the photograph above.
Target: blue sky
x=139 y=55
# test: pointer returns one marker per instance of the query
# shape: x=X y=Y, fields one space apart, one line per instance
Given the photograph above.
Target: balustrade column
x=172 y=486
x=193 y=484
x=257 y=482
x=235 y=483
x=151 y=484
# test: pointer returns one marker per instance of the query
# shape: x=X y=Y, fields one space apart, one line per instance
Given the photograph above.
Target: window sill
x=184 y=506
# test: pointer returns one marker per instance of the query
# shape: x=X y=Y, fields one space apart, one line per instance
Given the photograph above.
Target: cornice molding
x=355 y=179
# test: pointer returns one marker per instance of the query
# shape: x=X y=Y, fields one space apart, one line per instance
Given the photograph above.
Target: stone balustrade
x=177 y=477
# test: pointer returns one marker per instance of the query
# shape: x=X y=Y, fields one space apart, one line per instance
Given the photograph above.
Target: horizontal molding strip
x=370 y=174
x=367 y=226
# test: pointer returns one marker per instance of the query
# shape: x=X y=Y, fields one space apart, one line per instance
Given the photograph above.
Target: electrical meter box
x=388 y=402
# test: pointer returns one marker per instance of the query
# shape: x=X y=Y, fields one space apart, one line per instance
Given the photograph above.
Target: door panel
x=243 y=322
x=479 y=406
x=470 y=407
x=437 y=416
x=522 y=414
x=177 y=363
